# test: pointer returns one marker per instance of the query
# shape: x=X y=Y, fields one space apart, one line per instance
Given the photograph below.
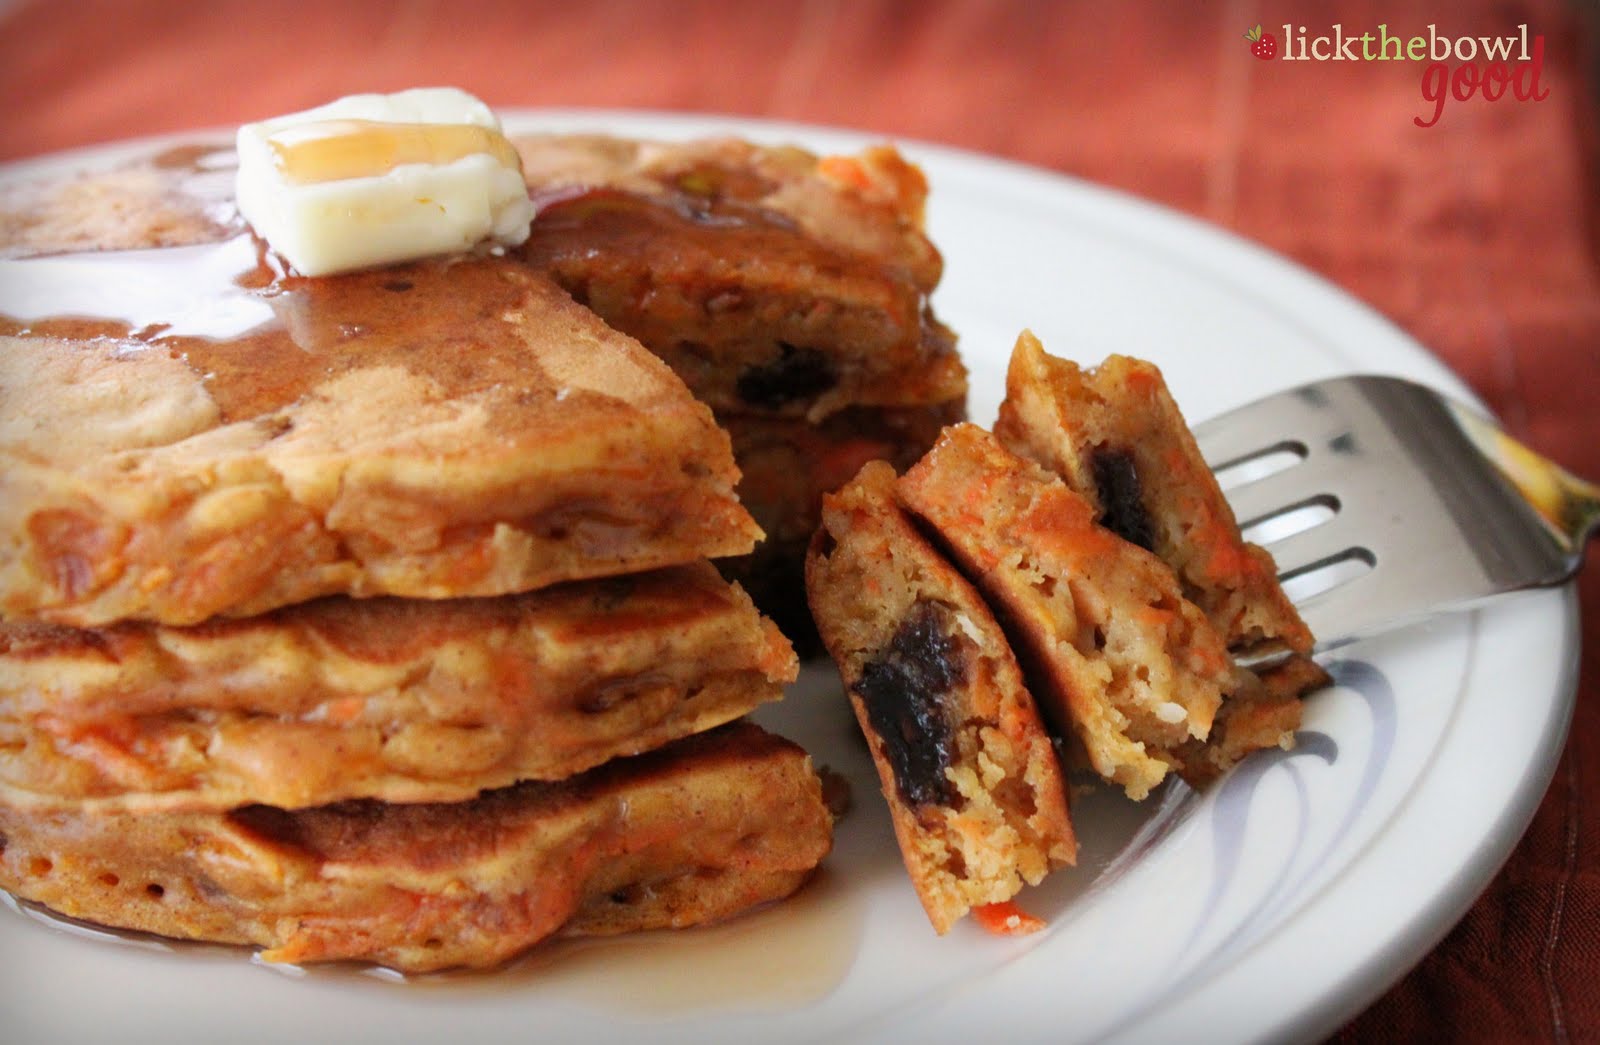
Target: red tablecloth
x=1477 y=235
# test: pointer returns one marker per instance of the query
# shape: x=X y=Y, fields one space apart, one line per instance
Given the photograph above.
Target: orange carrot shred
x=847 y=170
x=1006 y=919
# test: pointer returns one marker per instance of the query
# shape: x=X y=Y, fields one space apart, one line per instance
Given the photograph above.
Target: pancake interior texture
x=1090 y=425
x=970 y=775
x=1115 y=435
x=1121 y=658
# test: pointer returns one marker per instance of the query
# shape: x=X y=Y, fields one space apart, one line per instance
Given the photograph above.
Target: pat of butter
x=374 y=179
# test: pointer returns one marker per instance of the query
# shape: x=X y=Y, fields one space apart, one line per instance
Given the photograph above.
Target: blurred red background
x=1477 y=235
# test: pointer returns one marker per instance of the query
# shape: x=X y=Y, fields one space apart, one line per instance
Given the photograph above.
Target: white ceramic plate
x=1276 y=905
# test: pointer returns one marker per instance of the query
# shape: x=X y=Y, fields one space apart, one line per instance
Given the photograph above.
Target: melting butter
x=376 y=179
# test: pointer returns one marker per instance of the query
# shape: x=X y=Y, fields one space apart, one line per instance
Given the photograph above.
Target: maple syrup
x=785 y=955
x=335 y=150
x=260 y=340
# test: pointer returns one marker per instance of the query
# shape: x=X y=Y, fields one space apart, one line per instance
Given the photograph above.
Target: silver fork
x=1383 y=501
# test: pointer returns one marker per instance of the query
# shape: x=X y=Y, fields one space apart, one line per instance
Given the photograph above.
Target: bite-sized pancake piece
x=1259 y=711
x=445 y=428
x=772 y=280
x=1115 y=435
x=788 y=464
x=400 y=700
x=695 y=832
x=970 y=775
x=1120 y=657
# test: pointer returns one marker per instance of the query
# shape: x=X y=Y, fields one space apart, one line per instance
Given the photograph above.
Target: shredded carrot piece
x=1006 y=919
x=1142 y=379
x=847 y=170
x=345 y=710
x=881 y=175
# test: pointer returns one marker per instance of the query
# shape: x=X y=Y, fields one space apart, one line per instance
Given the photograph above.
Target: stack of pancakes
x=789 y=291
x=364 y=617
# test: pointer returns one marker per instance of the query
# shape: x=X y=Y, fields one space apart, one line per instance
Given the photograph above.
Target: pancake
x=185 y=432
x=384 y=698
x=173 y=198
x=1121 y=659
x=773 y=281
x=788 y=290
x=1115 y=435
x=695 y=832
x=973 y=785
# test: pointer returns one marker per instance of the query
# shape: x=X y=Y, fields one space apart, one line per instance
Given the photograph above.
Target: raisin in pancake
x=772 y=281
x=394 y=699
x=971 y=778
x=697 y=831
x=1122 y=659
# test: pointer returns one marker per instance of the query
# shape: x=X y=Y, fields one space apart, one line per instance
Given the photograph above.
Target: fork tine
x=1302 y=483
x=1319 y=542
x=1304 y=416
x=1435 y=500
x=1328 y=613
x=1251 y=430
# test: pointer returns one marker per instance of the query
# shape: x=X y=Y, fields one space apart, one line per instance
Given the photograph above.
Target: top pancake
x=868 y=206
x=773 y=281
x=186 y=432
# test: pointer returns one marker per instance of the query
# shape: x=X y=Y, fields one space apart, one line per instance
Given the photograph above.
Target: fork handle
x=1568 y=504
x=1580 y=507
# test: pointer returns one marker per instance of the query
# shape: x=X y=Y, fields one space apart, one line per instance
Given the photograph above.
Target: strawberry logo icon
x=1263 y=45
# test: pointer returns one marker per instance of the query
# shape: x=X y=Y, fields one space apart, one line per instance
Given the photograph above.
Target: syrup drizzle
x=211 y=290
x=336 y=150
x=260 y=339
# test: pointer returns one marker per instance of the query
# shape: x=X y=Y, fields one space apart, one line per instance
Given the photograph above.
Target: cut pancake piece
x=1260 y=711
x=695 y=832
x=1114 y=434
x=441 y=429
x=399 y=700
x=772 y=280
x=971 y=777
x=1119 y=657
